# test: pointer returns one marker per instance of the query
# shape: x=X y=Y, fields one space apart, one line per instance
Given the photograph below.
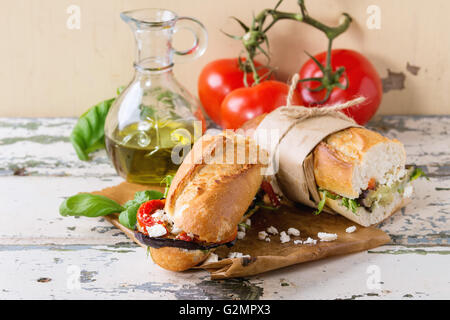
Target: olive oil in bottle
x=146 y=152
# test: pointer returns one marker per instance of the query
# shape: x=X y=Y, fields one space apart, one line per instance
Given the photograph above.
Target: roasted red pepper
x=145 y=211
x=267 y=188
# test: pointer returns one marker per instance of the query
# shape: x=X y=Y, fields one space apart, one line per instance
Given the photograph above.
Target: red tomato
x=363 y=80
x=145 y=211
x=217 y=79
x=244 y=104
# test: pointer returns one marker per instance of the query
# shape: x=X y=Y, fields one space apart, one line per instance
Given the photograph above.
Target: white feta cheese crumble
x=212 y=258
x=310 y=241
x=233 y=255
x=293 y=232
x=240 y=235
x=284 y=237
x=262 y=235
x=407 y=193
x=190 y=235
x=323 y=236
x=156 y=230
x=267 y=239
x=272 y=230
x=242 y=228
x=175 y=230
x=298 y=242
x=350 y=229
x=248 y=222
x=159 y=215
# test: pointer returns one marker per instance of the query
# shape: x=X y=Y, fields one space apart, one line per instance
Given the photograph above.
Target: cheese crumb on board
x=272 y=230
x=267 y=239
x=323 y=236
x=248 y=222
x=293 y=232
x=298 y=242
x=310 y=241
x=350 y=229
x=262 y=235
x=233 y=255
x=284 y=237
x=240 y=235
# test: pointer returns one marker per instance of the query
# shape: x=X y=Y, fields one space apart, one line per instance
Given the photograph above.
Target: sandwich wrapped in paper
x=323 y=159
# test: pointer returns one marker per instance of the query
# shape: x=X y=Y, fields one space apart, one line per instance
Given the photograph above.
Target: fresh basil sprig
x=89 y=205
x=128 y=217
x=92 y=205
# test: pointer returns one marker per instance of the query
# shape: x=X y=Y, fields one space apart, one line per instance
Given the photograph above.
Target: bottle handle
x=200 y=38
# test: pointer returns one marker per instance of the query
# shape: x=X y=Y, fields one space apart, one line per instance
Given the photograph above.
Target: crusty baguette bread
x=208 y=197
x=347 y=160
x=176 y=259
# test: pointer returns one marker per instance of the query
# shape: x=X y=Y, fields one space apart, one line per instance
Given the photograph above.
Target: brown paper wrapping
x=289 y=142
x=266 y=256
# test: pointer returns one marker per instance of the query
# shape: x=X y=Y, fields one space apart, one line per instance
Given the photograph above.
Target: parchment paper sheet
x=266 y=256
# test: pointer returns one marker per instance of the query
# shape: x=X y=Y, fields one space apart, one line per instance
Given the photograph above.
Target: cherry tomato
x=363 y=80
x=145 y=211
x=244 y=104
x=217 y=79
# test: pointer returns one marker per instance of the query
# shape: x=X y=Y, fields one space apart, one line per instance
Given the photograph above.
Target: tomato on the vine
x=218 y=78
x=244 y=104
x=359 y=76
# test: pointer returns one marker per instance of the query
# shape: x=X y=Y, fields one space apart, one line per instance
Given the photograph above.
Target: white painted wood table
x=42 y=255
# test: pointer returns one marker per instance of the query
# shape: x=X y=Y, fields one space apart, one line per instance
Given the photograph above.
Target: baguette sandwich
x=207 y=199
x=359 y=174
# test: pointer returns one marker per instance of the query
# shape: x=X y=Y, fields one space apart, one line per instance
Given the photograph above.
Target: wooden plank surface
x=40 y=251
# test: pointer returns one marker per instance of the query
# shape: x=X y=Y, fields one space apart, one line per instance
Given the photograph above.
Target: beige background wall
x=50 y=70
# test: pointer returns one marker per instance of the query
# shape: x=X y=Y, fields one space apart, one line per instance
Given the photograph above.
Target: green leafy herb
x=244 y=225
x=417 y=173
x=88 y=135
x=89 y=205
x=263 y=205
x=168 y=181
x=324 y=195
x=350 y=204
x=127 y=217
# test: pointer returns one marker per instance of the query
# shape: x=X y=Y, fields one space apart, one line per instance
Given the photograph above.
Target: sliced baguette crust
x=342 y=156
x=208 y=198
x=176 y=259
x=366 y=218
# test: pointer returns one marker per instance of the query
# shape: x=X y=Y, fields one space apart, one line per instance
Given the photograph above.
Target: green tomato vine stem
x=255 y=37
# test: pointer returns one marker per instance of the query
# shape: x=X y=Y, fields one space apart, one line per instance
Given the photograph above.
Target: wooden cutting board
x=266 y=256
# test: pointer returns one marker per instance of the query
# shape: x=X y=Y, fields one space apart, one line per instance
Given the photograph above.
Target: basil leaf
x=88 y=135
x=128 y=216
x=143 y=196
x=89 y=205
x=417 y=173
